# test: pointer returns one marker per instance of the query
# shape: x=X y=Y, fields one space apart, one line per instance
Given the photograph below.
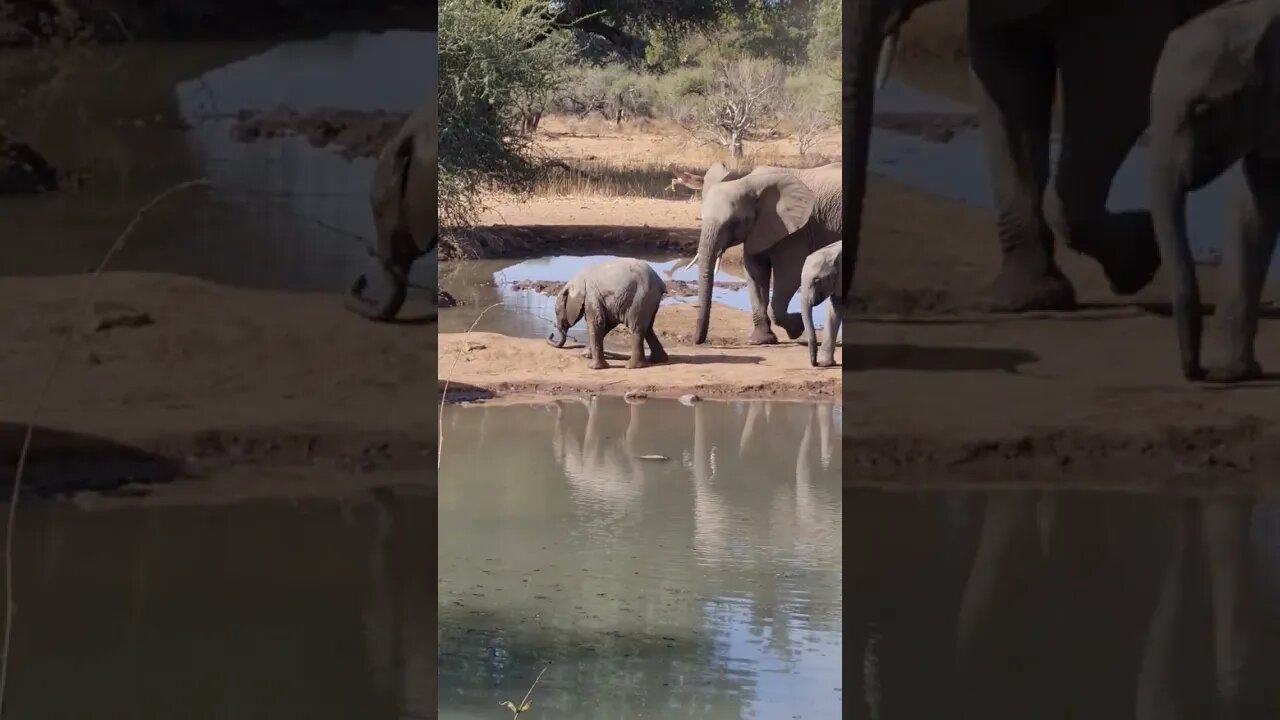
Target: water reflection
x=706 y=584
x=297 y=608
x=1015 y=604
x=269 y=220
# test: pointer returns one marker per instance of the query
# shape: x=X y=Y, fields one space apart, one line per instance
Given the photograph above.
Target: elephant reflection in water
x=400 y=619
x=603 y=473
x=1063 y=595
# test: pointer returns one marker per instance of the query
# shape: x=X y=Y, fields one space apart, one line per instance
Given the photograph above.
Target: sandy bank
x=211 y=375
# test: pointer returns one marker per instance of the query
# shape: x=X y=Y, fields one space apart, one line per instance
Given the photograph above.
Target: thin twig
x=10 y=606
x=535 y=684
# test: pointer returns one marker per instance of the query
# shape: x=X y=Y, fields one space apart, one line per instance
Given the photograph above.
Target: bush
x=494 y=62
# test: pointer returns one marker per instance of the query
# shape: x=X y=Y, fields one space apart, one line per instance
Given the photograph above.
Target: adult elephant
x=403 y=196
x=1104 y=53
x=779 y=216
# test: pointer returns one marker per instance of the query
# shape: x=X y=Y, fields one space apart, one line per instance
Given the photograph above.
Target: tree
x=628 y=24
x=495 y=60
x=742 y=102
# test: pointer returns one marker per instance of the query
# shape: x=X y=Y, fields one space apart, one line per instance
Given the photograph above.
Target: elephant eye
x=1199 y=108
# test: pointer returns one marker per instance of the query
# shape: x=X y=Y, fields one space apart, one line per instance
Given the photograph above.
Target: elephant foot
x=1016 y=290
x=1130 y=257
x=792 y=325
x=635 y=364
x=658 y=357
x=599 y=364
x=1192 y=372
x=761 y=336
x=825 y=362
x=1234 y=372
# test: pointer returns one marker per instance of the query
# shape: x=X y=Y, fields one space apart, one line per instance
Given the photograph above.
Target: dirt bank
x=935 y=391
x=172 y=375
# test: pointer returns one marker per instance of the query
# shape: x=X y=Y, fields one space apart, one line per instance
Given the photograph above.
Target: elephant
x=820 y=280
x=779 y=216
x=403 y=196
x=617 y=292
x=1214 y=102
x=1105 y=55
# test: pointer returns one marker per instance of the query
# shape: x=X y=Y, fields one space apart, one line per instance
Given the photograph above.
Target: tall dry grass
x=594 y=157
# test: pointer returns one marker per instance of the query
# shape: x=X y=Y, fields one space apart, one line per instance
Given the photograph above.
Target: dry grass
x=594 y=157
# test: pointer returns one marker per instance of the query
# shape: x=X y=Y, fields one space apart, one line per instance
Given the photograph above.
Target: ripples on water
x=702 y=586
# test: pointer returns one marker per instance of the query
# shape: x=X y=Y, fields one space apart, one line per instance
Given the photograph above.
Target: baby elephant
x=1215 y=100
x=820 y=280
x=609 y=294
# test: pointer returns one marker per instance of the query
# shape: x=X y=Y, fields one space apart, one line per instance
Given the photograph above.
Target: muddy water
x=703 y=585
x=281 y=214
x=958 y=169
x=294 y=608
x=1015 y=604
x=522 y=312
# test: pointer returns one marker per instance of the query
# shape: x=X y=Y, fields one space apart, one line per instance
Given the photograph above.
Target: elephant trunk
x=557 y=338
x=390 y=306
x=806 y=315
x=707 y=258
x=863 y=35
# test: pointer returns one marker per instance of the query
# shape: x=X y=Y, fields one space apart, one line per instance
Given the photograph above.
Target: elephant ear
x=570 y=304
x=783 y=206
x=716 y=173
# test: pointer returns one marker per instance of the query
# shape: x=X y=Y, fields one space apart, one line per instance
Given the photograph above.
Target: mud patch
x=354 y=133
x=934 y=127
x=510 y=241
x=675 y=288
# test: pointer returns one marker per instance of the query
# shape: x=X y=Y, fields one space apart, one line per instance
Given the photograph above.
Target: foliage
x=494 y=61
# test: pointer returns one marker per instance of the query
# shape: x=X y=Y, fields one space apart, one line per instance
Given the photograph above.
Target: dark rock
x=23 y=171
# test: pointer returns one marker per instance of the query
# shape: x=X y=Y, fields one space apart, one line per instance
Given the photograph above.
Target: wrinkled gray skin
x=1216 y=100
x=779 y=216
x=404 y=197
x=820 y=281
x=1103 y=52
x=612 y=293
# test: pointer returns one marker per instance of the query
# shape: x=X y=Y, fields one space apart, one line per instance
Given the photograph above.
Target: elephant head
x=754 y=211
x=570 y=306
x=403 y=196
x=870 y=36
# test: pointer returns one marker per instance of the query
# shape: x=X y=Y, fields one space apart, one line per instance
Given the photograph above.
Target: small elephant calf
x=612 y=293
x=820 y=280
x=1215 y=100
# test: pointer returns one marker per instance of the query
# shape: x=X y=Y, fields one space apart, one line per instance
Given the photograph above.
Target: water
x=707 y=585
x=958 y=169
x=1007 y=604
x=299 y=607
x=528 y=313
x=263 y=222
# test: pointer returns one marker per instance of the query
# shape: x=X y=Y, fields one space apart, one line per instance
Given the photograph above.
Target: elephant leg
x=596 y=330
x=787 y=265
x=1013 y=77
x=806 y=316
x=637 y=349
x=758 y=269
x=1246 y=256
x=834 y=320
x=656 y=352
x=1106 y=69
